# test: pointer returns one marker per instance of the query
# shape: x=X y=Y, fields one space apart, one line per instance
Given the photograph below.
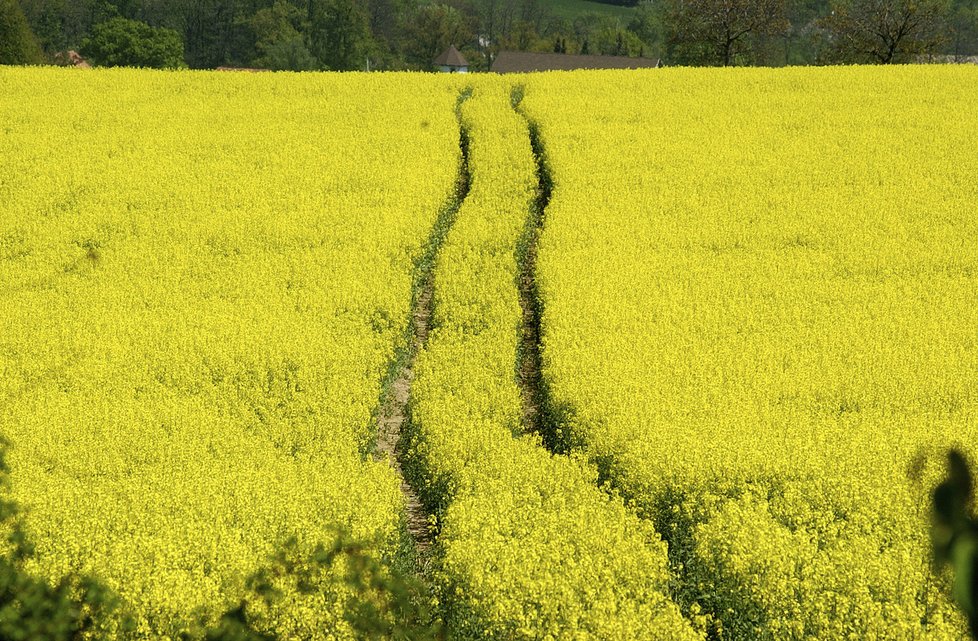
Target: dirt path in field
x=393 y=408
x=529 y=365
x=393 y=417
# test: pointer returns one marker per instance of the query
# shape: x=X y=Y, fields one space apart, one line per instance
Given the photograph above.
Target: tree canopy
x=885 y=31
x=120 y=42
x=408 y=34
x=18 y=46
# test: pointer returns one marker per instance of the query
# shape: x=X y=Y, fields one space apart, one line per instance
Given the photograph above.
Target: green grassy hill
x=573 y=8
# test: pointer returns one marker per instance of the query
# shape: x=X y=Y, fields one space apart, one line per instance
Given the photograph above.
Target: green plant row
x=529 y=547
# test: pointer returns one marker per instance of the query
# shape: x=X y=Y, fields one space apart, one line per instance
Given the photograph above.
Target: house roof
x=78 y=61
x=71 y=59
x=451 y=58
x=525 y=61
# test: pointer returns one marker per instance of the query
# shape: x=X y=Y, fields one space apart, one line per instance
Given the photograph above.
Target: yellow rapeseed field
x=760 y=294
x=203 y=280
x=530 y=546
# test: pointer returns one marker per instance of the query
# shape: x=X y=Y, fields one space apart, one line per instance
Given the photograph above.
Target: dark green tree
x=279 y=41
x=799 y=44
x=215 y=32
x=18 y=46
x=120 y=42
x=47 y=20
x=388 y=21
x=289 y=54
x=431 y=29
x=964 y=29
x=339 y=34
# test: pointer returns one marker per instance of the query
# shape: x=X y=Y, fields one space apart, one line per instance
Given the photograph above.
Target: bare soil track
x=393 y=408
x=393 y=417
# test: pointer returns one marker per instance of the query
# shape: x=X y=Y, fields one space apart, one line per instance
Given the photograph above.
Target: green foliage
x=129 y=43
x=281 y=21
x=75 y=608
x=964 y=29
x=339 y=34
x=431 y=29
x=279 y=40
x=617 y=42
x=571 y=8
x=954 y=534
x=288 y=54
x=18 y=46
x=384 y=602
x=646 y=24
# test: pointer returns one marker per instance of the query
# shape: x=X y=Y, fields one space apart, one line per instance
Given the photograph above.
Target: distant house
x=451 y=61
x=526 y=61
x=71 y=59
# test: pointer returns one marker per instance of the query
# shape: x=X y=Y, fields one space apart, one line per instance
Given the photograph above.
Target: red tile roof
x=525 y=61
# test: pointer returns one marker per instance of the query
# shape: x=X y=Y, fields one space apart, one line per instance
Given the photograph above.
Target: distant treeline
x=408 y=34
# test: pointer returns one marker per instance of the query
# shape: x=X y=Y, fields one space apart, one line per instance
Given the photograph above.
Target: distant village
x=452 y=61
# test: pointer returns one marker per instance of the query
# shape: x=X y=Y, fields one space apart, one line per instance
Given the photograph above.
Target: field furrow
x=393 y=406
x=759 y=299
x=529 y=547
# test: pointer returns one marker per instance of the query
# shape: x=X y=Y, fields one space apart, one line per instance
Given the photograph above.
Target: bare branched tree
x=885 y=31
x=720 y=32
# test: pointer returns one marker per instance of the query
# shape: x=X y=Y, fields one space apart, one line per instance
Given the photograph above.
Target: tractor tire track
x=538 y=413
x=393 y=406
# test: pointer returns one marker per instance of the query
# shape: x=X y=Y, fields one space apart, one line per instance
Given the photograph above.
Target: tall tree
x=964 y=29
x=279 y=42
x=885 y=31
x=213 y=30
x=720 y=32
x=800 y=42
x=18 y=46
x=431 y=29
x=120 y=42
x=388 y=21
x=613 y=41
x=339 y=34
x=47 y=19
x=386 y=17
